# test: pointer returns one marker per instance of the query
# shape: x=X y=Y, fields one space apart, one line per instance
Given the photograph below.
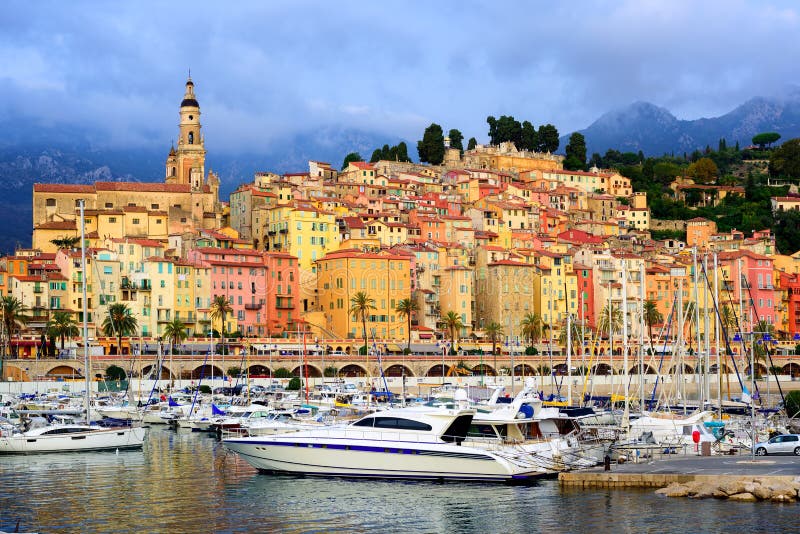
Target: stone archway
x=307 y=370
x=436 y=370
x=398 y=370
x=149 y=372
x=352 y=370
x=484 y=370
x=205 y=372
x=64 y=372
x=648 y=370
x=259 y=371
x=791 y=369
x=602 y=369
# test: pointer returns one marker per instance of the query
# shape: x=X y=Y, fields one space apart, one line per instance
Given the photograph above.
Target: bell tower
x=186 y=164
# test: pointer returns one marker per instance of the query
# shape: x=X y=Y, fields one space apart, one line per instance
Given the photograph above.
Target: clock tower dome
x=186 y=164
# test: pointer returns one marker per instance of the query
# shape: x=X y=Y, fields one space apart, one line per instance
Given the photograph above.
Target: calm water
x=183 y=482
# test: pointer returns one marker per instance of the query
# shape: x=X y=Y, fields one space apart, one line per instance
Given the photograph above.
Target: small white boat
x=403 y=443
x=71 y=437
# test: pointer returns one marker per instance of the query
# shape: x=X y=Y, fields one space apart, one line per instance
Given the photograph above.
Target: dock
x=659 y=473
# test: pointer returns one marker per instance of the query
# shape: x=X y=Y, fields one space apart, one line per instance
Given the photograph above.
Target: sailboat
x=69 y=436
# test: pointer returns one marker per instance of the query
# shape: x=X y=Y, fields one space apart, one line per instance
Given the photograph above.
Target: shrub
x=330 y=371
x=234 y=371
x=531 y=351
x=294 y=384
x=204 y=388
x=792 y=401
x=115 y=372
x=282 y=372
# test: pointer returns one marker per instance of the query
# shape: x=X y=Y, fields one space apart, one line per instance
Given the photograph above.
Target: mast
x=681 y=389
x=86 y=360
x=569 y=359
x=641 y=333
x=626 y=388
x=697 y=326
x=706 y=334
x=610 y=346
x=718 y=322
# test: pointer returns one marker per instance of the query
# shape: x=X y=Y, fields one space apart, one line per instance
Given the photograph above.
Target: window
x=109 y=205
x=112 y=219
x=136 y=221
x=50 y=202
x=153 y=206
x=106 y=270
x=191 y=138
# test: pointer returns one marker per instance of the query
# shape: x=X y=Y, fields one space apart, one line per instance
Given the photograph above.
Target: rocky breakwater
x=744 y=489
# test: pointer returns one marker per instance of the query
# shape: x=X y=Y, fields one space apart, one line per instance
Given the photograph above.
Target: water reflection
x=183 y=482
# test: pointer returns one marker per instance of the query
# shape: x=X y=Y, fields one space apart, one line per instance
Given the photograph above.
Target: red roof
x=62 y=188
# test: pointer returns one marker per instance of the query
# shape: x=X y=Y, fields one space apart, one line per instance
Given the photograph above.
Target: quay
x=659 y=473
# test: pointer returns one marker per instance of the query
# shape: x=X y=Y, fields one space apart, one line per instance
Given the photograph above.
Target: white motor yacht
x=403 y=443
x=70 y=437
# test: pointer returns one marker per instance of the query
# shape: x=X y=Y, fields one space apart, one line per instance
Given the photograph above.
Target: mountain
x=656 y=131
x=30 y=154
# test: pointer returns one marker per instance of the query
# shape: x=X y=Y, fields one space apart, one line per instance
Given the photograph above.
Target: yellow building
x=384 y=277
x=186 y=201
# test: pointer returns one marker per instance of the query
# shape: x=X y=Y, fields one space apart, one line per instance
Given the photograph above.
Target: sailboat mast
x=706 y=333
x=626 y=388
x=86 y=362
x=641 y=333
x=697 y=357
x=717 y=322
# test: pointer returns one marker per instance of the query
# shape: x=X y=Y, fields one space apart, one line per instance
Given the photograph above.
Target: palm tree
x=689 y=312
x=452 y=321
x=651 y=316
x=119 y=322
x=14 y=316
x=360 y=306
x=728 y=318
x=65 y=242
x=762 y=329
x=575 y=335
x=612 y=318
x=495 y=331
x=175 y=332
x=531 y=326
x=62 y=325
x=220 y=308
x=406 y=308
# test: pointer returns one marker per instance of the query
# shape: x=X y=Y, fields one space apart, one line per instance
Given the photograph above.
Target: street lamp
x=445 y=348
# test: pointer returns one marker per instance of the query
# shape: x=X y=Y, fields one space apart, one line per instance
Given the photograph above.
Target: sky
x=265 y=71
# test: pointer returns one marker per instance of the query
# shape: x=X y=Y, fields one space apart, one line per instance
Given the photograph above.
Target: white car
x=783 y=444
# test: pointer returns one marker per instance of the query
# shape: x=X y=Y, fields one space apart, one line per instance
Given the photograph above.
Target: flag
x=746 y=398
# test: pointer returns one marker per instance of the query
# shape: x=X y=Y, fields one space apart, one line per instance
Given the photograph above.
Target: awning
x=425 y=335
x=393 y=347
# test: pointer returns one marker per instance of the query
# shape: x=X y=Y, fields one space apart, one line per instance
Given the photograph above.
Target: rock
x=719 y=494
x=784 y=491
x=780 y=497
x=674 y=490
x=762 y=492
x=743 y=497
x=732 y=487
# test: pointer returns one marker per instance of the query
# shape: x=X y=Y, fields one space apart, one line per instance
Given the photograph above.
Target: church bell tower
x=186 y=164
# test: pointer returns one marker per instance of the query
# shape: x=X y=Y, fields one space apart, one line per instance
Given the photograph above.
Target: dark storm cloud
x=265 y=70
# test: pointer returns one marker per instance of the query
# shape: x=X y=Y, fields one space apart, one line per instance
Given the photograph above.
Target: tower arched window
x=174 y=171
x=191 y=138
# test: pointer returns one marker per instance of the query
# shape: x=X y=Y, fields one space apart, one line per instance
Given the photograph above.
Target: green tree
x=703 y=171
x=495 y=331
x=651 y=316
x=530 y=137
x=492 y=122
x=115 y=372
x=575 y=152
x=294 y=384
x=456 y=139
x=785 y=160
x=119 y=323
x=220 y=308
x=66 y=242
x=665 y=172
x=360 y=306
x=62 y=325
x=728 y=319
x=376 y=155
x=282 y=372
x=531 y=325
x=431 y=147
x=402 y=152
x=452 y=322
x=548 y=139
x=15 y=316
x=792 y=404
x=175 y=332
x=765 y=139
x=351 y=157
x=787 y=231
x=406 y=308
x=612 y=319
x=472 y=143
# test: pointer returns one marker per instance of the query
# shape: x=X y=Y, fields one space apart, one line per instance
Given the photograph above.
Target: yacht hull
x=93 y=440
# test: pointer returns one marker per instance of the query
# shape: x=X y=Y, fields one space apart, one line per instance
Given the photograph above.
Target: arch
x=761 y=369
x=339 y=348
x=687 y=369
x=63 y=372
x=398 y=370
x=352 y=370
x=602 y=369
x=259 y=371
x=484 y=370
x=560 y=369
x=307 y=370
x=524 y=369
x=648 y=370
x=713 y=369
x=791 y=369
x=191 y=138
x=149 y=372
x=205 y=372
x=436 y=370
x=174 y=171
x=16 y=373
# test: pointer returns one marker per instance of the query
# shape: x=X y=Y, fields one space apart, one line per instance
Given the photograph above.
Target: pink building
x=262 y=287
x=756 y=274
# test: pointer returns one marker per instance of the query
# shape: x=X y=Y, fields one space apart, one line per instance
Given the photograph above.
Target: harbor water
x=184 y=482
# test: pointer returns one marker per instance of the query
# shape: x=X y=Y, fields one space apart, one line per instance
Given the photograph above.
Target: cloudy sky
x=266 y=70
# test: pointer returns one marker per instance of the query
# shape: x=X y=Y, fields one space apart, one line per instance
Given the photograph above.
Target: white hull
x=342 y=455
x=91 y=440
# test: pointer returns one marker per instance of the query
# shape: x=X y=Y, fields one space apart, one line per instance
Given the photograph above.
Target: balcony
x=38 y=289
x=284 y=303
x=253 y=306
x=271 y=232
x=284 y=230
x=127 y=284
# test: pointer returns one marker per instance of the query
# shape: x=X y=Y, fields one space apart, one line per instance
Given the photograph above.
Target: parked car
x=783 y=444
